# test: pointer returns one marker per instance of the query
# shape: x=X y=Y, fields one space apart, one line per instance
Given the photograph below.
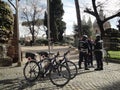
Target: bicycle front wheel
x=59 y=76
x=31 y=71
x=72 y=68
x=107 y=58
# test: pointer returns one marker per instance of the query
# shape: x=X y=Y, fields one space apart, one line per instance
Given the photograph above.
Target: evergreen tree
x=86 y=27
x=89 y=23
x=6 y=21
x=45 y=23
x=86 y=30
x=6 y=17
x=57 y=26
x=76 y=35
x=84 y=21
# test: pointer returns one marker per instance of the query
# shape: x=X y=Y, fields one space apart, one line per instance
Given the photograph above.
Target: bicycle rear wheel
x=59 y=76
x=72 y=68
x=31 y=71
x=107 y=58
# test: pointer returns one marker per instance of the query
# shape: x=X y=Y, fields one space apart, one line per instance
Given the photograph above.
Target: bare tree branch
x=89 y=11
x=32 y=16
x=108 y=18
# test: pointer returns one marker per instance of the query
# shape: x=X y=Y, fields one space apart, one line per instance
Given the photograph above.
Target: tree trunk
x=78 y=18
x=100 y=24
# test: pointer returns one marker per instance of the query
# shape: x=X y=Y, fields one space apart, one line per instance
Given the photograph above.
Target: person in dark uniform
x=83 y=52
x=98 y=45
x=90 y=56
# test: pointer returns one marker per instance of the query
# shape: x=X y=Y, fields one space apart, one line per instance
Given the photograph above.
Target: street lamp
x=78 y=18
x=48 y=10
x=17 y=27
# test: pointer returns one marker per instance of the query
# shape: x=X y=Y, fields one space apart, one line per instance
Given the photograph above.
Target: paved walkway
x=11 y=78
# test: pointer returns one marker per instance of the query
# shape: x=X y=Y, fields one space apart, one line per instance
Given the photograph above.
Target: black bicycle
x=72 y=66
x=59 y=74
x=106 y=56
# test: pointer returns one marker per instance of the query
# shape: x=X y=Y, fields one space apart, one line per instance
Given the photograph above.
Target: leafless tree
x=31 y=15
x=94 y=12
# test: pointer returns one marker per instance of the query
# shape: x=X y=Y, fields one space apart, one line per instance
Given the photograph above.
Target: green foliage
x=85 y=28
x=37 y=22
x=57 y=26
x=6 y=22
x=114 y=54
x=42 y=42
x=6 y=17
x=45 y=22
x=113 y=36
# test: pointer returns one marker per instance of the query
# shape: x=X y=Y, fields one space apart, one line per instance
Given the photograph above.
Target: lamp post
x=17 y=27
x=78 y=17
x=48 y=23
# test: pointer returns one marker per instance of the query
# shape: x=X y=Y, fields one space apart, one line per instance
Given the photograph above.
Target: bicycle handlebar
x=57 y=54
x=66 y=52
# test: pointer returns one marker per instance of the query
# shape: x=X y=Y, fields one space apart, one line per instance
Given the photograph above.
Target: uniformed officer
x=98 y=45
x=90 y=56
x=83 y=52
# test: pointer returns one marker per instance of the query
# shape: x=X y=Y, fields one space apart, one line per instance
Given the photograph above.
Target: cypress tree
x=57 y=26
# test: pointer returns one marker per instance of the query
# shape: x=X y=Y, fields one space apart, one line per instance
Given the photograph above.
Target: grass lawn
x=114 y=54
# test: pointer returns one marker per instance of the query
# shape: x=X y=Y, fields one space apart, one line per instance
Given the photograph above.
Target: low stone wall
x=114 y=61
x=6 y=61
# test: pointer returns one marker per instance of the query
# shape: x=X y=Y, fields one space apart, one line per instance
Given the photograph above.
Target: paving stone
x=11 y=78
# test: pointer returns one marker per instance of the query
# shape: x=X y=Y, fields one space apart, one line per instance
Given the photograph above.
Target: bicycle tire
x=72 y=67
x=59 y=76
x=106 y=58
x=31 y=71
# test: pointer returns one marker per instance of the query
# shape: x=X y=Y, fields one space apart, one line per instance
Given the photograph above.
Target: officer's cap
x=85 y=36
x=97 y=35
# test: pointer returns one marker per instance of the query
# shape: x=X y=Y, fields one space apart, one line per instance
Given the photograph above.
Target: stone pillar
x=3 y=50
x=106 y=42
x=15 y=42
x=4 y=59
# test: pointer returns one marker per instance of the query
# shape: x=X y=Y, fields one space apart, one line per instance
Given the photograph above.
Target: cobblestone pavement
x=11 y=78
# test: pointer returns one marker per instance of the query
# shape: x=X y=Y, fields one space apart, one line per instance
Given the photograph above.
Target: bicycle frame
x=53 y=63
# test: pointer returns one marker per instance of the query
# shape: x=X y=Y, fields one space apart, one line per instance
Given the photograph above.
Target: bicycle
x=106 y=55
x=72 y=66
x=55 y=71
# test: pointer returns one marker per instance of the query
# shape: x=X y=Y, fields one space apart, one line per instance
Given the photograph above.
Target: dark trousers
x=83 y=58
x=90 y=59
x=98 y=56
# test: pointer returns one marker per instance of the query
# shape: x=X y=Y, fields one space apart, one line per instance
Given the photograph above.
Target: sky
x=110 y=7
x=70 y=12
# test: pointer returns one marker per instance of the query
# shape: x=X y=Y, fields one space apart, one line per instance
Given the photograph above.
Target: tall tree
x=78 y=17
x=31 y=15
x=45 y=23
x=89 y=22
x=95 y=13
x=57 y=26
x=6 y=18
x=86 y=30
